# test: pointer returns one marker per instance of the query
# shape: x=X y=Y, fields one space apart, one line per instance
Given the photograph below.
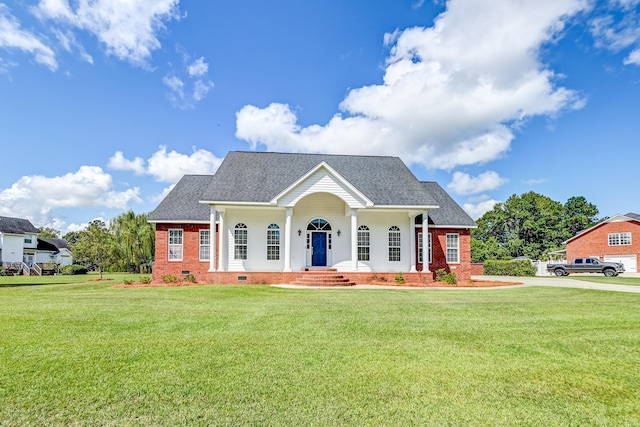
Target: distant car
x=587 y=265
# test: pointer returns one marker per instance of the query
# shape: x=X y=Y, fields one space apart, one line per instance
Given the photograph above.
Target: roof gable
x=630 y=217
x=449 y=214
x=322 y=178
x=182 y=202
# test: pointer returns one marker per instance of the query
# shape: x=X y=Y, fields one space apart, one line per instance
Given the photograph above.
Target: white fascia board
x=334 y=174
x=241 y=204
x=405 y=207
x=456 y=227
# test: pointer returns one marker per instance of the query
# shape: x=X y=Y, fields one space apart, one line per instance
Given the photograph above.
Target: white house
x=271 y=216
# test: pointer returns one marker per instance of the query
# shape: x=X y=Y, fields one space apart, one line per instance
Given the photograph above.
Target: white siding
x=322 y=182
x=12 y=247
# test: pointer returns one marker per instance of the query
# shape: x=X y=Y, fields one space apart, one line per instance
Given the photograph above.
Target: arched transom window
x=394 y=243
x=363 y=243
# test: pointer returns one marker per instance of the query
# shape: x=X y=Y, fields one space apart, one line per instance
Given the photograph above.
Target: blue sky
x=105 y=104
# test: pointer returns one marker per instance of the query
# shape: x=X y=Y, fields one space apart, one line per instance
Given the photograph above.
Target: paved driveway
x=562 y=282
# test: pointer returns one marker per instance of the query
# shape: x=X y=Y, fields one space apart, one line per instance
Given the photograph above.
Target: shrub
x=399 y=278
x=190 y=278
x=127 y=282
x=74 y=269
x=169 y=278
x=509 y=268
x=444 y=277
x=145 y=280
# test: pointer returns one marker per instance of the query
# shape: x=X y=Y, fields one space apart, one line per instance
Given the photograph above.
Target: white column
x=222 y=242
x=412 y=244
x=212 y=239
x=287 y=239
x=354 y=240
x=425 y=242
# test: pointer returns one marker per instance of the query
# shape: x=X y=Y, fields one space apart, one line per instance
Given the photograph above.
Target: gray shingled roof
x=633 y=215
x=182 y=202
x=449 y=213
x=16 y=225
x=250 y=177
x=260 y=176
x=52 y=244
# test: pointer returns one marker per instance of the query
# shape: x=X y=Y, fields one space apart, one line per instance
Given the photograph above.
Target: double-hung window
x=273 y=242
x=394 y=243
x=205 y=245
x=453 y=248
x=175 y=244
x=421 y=248
x=240 y=242
x=364 y=242
x=620 y=239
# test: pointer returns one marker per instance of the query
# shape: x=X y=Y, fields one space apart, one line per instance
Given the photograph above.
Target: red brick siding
x=190 y=251
x=439 y=250
x=596 y=241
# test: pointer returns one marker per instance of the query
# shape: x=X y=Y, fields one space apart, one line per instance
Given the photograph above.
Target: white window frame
x=620 y=239
x=364 y=243
x=453 y=249
x=176 y=242
x=421 y=249
x=273 y=242
x=395 y=244
x=204 y=250
x=240 y=242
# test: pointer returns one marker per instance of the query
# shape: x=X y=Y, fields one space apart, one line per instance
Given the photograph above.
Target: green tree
x=579 y=215
x=529 y=225
x=95 y=246
x=135 y=239
x=48 y=232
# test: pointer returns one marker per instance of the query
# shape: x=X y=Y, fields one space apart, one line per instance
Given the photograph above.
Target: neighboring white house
x=19 y=244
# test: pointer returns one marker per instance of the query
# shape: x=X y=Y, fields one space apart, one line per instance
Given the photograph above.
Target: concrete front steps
x=324 y=277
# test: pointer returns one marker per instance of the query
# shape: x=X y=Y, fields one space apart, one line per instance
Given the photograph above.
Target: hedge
x=509 y=268
x=74 y=269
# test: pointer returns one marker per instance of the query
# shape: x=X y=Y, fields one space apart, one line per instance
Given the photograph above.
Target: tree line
x=126 y=244
x=530 y=225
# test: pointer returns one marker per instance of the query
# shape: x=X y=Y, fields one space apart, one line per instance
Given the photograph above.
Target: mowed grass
x=89 y=354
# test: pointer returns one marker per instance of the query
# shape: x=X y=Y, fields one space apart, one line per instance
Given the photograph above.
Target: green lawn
x=87 y=354
x=618 y=280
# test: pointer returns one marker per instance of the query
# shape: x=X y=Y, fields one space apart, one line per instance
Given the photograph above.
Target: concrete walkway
x=562 y=282
x=551 y=281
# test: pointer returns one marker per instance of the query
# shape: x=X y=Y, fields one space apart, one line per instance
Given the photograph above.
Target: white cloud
x=463 y=183
x=451 y=93
x=13 y=37
x=37 y=197
x=118 y=162
x=199 y=68
x=195 y=76
x=619 y=30
x=534 y=181
x=127 y=29
x=168 y=166
x=478 y=206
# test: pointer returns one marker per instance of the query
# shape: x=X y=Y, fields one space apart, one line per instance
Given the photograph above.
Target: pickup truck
x=587 y=265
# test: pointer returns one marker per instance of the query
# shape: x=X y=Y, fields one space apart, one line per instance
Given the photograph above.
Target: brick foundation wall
x=477 y=269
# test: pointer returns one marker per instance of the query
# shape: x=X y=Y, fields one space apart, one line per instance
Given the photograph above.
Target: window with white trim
x=394 y=243
x=273 y=242
x=364 y=243
x=620 y=239
x=240 y=241
x=453 y=248
x=175 y=244
x=421 y=250
x=205 y=245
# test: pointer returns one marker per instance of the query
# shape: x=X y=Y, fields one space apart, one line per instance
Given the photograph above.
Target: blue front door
x=319 y=244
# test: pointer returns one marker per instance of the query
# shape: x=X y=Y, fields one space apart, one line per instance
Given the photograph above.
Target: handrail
x=26 y=270
x=38 y=269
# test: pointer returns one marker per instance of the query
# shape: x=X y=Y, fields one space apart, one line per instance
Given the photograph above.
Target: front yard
x=84 y=353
